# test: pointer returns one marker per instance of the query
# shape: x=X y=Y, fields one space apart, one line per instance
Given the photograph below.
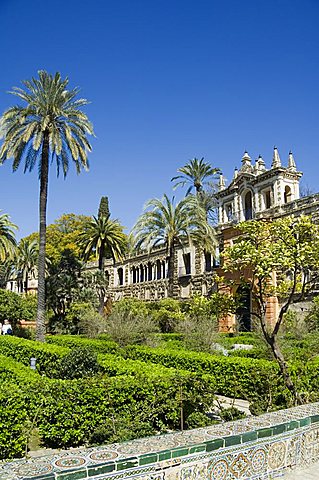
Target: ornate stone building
x=255 y=192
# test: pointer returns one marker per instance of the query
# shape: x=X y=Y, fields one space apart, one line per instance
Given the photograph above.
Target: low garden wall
x=253 y=448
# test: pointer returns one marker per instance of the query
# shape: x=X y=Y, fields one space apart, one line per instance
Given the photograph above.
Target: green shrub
x=131 y=406
x=199 y=333
x=312 y=319
x=259 y=353
x=131 y=306
x=230 y=414
x=240 y=377
x=48 y=357
x=80 y=362
x=199 y=420
x=14 y=421
x=13 y=371
x=73 y=412
x=16 y=307
x=71 y=341
x=126 y=329
x=167 y=313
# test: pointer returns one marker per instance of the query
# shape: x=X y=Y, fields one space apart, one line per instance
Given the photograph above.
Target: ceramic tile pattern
x=253 y=448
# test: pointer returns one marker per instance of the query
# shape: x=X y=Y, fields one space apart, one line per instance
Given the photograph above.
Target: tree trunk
x=102 y=291
x=284 y=370
x=26 y=282
x=171 y=258
x=44 y=174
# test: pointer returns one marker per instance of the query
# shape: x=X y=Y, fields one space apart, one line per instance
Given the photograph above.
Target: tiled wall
x=253 y=448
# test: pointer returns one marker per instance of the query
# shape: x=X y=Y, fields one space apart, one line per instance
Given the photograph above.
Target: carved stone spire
x=235 y=173
x=246 y=160
x=246 y=163
x=221 y=183
x=291 y=162
x=260 y=165
x=276 y=162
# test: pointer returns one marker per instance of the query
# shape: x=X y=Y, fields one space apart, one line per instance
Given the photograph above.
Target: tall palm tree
x=26 y=260
x=196 y=173
x=49 y=127
x=172 y=225
x=104 y=238
x=6 y=272
x=7 y=238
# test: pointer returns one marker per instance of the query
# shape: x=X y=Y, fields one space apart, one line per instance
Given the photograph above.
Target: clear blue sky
x=168 y=80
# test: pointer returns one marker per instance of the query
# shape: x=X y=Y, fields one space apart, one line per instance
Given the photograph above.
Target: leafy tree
x=16 y=307
x=7 y=238
x=51 y=126
x=61 y=284
x=63 y=235
x=283 y=260
x=105 y=238
x=172 y=225
x=196 y=173
x=167 y=313
x=26 y=260
x=104 y=210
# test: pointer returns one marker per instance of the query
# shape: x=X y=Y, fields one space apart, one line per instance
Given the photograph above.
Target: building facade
x=255 y=192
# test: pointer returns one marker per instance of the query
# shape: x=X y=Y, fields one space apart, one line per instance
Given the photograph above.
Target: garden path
x=309 y=473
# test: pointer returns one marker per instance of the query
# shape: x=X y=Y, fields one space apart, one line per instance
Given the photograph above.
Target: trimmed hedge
x=234 y=376
x=71 y=341
x=13 y=371
x=240 y=377
x=74 y=412
x=48 y=356
x=14 y=420
x=20 y=394
x=119 y=408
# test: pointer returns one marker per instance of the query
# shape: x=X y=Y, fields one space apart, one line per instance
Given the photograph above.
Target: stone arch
x=120 y=275
x=248 y=205
x=243 y=312
x=287 y=194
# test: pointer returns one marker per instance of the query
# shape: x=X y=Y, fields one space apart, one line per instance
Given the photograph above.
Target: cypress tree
x=104 y=210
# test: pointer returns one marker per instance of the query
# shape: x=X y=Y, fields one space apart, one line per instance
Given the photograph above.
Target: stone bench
x=253 y=448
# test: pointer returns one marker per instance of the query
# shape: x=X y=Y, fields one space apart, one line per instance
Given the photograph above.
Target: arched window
x=120 y=274
x=158 y=270
x=149 y=271
x=248 y=206
x=267 y=199
x=287 y=194
x=141 y=273
x=243 y=312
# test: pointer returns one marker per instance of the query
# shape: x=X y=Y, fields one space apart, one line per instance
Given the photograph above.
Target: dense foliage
x=16 y=307
x=136 y=402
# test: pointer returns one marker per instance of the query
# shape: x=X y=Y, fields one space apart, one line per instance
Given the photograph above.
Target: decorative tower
x=276 y=162
x=256 y=191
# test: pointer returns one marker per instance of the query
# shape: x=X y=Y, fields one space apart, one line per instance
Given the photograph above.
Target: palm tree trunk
x=102 y=291
x=171 y=258
x=44 y=174
x=26 y=282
